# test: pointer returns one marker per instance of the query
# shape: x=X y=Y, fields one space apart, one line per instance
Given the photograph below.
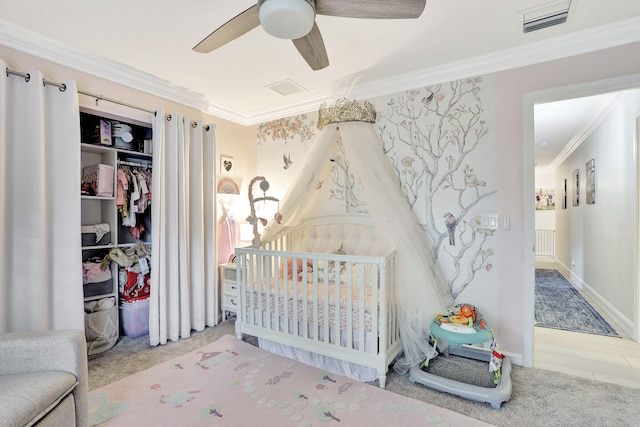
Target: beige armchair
x=44 y=379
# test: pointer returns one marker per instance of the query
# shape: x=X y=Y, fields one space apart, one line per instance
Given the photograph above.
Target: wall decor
x=417 y=125
x=226 y=165
x=590 y=169
x=576 y=187
x=545 y=199
x=564 y=194
x=228 y=186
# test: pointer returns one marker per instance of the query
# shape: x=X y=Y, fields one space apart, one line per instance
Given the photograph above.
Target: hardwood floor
x=607 y=359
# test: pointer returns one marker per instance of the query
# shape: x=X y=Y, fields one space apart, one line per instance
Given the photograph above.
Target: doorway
x=566 y=93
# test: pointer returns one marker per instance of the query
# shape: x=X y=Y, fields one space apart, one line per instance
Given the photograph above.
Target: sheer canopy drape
x=183 y=258
x=40 y=256
x=420 y=286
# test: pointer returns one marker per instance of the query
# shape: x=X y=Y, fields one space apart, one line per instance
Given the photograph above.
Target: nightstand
x=229 y=290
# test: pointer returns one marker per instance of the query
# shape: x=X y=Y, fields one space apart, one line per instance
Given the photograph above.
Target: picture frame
x=576 y=187
x=226 y=165
x=545 y=199
x=590 y=172
x=564 y=194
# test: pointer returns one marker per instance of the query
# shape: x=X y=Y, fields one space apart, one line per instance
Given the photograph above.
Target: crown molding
x=602 y=37
x=594 y=39
x=602 y=112
x=32 y=43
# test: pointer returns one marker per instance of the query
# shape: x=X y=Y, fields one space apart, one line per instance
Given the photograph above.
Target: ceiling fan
x=295 y=20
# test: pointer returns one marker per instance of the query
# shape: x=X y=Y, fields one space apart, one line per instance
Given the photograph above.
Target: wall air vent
x=547 y=16
x=286 y=87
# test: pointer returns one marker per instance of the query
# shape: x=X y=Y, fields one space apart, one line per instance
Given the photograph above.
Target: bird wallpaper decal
x=451 y=222
x=287 y=161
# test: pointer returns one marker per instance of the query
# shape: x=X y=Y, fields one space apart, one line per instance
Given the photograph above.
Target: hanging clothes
x=133 y=199
x=227 y=232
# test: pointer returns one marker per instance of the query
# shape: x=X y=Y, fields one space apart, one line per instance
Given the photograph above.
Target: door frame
x=552 y=95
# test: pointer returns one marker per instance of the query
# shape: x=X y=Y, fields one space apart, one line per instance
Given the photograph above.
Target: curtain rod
x=63 y=87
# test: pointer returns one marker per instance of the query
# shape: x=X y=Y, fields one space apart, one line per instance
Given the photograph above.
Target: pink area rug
x=232 y=383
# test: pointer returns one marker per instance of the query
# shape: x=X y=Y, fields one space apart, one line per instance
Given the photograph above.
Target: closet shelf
x=98 y=297
x=95 y=148
x=128 y=245
x=85 y=197
x=132 y=153
x=90 y=248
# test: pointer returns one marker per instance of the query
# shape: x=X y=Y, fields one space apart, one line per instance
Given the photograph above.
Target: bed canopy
x=421 y=288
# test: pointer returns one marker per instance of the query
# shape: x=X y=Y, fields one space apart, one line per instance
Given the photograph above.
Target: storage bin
x=101 y=179
x=105 y=132
x=95 y=131
x=120 y=143
x=98 y=288
x=133 y=286
x=95 y=279
x=135 y=318
x=90 y=234
x=101 y=330
x=123 y=136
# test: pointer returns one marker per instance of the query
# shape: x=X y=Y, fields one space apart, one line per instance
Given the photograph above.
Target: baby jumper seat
x=463 y=328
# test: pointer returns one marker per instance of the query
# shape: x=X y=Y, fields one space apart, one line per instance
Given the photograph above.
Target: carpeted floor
x=560 y=306
x=540 y=397
x=231 y=382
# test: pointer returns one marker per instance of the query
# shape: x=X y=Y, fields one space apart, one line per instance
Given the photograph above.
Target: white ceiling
x=152 y=41
x=561 y=126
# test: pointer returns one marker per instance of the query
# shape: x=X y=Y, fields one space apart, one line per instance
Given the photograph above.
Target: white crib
x=295 y=289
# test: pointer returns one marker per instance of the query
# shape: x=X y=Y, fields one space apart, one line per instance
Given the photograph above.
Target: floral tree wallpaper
x=438 y=139
x=430 y=136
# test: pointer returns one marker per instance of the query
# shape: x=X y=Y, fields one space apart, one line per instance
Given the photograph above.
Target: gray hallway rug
x=560 y=306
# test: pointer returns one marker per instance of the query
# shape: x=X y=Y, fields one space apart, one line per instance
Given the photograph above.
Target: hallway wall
x=596 y=242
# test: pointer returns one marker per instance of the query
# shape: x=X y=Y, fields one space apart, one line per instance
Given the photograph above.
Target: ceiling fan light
x=287 y=19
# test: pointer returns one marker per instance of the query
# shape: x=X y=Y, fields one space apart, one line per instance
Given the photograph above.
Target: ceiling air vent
x=286 y=87
x=546 y=16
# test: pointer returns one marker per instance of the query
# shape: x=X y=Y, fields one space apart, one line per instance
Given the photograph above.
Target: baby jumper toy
x=461 y=327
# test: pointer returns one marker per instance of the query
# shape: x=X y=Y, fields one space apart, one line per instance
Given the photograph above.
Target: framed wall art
x=576 y=187
x=545 y=199
x=226 y=165
x=564 y=194
x=590 y=188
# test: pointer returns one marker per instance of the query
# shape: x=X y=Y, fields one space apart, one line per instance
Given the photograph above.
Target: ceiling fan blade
x=312 y=49
x=371 y=9
x=231 y=30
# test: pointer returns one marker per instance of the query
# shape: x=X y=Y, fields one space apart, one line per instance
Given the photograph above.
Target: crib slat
x=375 y=313
x=261 y=278
x=337 y=324
x=295 y=301
x=273 y=294
x=316 y=302
x=349 y=330
x=267 y=290
x=361 y=306
x=285 y=298
x=325 y=285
